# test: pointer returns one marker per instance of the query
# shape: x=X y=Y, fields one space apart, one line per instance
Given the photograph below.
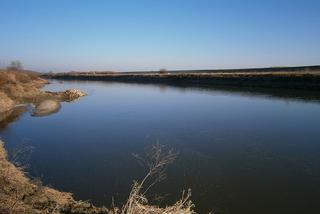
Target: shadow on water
x=288 y=94
x=270 y=93
x=11 y=116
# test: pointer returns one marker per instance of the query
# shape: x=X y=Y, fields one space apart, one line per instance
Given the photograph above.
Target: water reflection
x=11 y=115
x=272 y=93
x=46 y=108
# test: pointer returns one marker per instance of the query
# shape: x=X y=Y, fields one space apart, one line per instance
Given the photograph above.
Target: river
x=240 y=152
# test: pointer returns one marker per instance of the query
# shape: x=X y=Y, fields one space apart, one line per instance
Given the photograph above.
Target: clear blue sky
x=151 y=34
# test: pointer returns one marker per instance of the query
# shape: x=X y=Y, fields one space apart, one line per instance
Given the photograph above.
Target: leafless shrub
x=156 y=161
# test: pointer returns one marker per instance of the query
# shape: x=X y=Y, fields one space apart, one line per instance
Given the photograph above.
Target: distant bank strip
x=303 y=77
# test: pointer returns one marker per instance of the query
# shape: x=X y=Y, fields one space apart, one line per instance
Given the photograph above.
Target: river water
x=240 y=152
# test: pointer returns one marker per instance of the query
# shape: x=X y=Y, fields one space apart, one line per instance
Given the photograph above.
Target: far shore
x=303 y=77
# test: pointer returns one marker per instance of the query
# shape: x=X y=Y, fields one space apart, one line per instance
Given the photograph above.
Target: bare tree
x=2 y=65
x=156 y=160
x=15 y=65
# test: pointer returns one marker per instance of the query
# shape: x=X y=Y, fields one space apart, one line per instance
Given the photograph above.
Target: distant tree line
x=14 y=65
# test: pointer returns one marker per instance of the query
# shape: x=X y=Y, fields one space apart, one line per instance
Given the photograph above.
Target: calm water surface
x=240 y=153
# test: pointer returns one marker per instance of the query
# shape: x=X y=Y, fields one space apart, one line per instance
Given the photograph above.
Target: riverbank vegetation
x=21 y=87
x=18 y=87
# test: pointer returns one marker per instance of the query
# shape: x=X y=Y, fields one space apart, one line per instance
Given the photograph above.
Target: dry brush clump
x=138 y=203
x=156 y=161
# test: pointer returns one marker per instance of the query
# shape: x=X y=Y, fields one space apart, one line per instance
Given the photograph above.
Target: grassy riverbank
x=18 y=87
x=23 y=87
x=306 y=78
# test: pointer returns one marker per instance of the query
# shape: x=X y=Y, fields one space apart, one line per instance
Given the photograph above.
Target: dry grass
x=5 y=102
x=18 y=87
x=16 y=77
x=138 y=203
